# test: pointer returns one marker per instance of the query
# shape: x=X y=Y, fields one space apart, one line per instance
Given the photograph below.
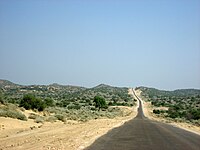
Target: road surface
x=142 y=133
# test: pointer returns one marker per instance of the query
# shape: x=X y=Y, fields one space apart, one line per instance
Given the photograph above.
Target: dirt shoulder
x=148 y=112
x=72 y=135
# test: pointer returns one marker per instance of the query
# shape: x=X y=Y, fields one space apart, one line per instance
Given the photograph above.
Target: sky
x=154 y=43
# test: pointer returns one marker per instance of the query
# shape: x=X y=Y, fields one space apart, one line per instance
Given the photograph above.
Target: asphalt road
x=142 y=133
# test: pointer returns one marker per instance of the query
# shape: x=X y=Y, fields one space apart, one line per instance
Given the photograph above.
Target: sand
x=72 y=135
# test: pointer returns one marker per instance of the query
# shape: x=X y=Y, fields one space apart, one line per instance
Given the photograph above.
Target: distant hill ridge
x=4 y=83
x=178 y=92
x=7 y=83
x=65 y=95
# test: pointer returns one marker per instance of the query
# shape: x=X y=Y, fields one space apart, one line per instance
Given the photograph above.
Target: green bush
x=156 y=111
x=49 y=102
x=193 y=114
x=1 y=99
x=74 y=106
x=110 y=104
x=100 y=102
x=29 y=101
x=60 y=117
x=173 y=112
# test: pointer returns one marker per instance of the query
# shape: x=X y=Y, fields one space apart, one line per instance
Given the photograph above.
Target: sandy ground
x=148 y=112
x=16 y=134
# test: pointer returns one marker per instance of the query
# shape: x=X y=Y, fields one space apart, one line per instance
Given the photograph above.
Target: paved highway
x=142 y=133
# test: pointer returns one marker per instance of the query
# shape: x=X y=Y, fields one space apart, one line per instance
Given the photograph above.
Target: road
x=142 y=133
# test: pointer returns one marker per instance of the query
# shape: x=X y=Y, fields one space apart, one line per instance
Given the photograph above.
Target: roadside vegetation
x=11 y=111
x=57 y=102
x=181 y=105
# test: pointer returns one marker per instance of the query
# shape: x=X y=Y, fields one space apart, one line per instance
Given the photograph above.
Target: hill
x=64 y=95
x=7 y=84
x=62 y=102
x=179 y=92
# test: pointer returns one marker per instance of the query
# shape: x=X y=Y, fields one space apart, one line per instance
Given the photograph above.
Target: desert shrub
x=156 y=103
x=113 y=109
x=74 y=106
x=6 y=112
x=38 y=104
x=39 y=119
x=22 y=108
x=163 y=111
x=156 y=111
x=60 y=117
x=29 y=101
x=111 y=114
x=52 y=109
x=56 y=110
x=49 y=102
x=51 y=119
x=72 y=116
x=173 y=112
x=196 y=122
x=83 y=119
x=33 y=116
x=193 y=114
x=1 y=100
x=87 y=101
x=11 y=106
x=26 y=101
x=64 y=103
x=110 y=104
x=92 y=108
x=83 y=114
x=100 y=102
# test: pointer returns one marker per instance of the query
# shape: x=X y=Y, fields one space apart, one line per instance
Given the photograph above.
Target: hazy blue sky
x=87 y=42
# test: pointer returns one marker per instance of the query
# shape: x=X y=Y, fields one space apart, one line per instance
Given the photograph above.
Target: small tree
x=29 y=101
x=100 y=102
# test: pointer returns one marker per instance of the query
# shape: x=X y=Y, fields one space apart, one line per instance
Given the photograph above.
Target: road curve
x=142 y=133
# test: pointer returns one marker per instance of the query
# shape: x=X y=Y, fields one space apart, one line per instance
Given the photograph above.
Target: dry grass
x=9 y=110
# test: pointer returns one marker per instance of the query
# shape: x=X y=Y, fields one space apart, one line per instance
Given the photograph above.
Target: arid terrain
x=60 y=117
x=72 y=135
